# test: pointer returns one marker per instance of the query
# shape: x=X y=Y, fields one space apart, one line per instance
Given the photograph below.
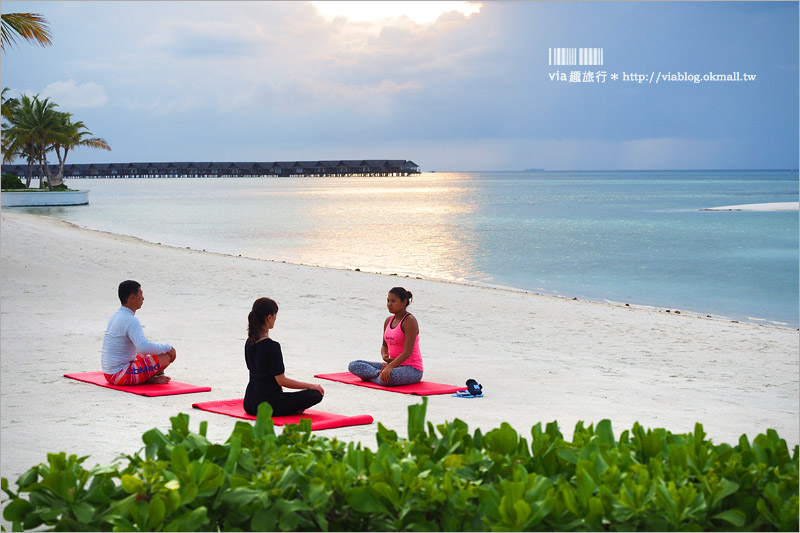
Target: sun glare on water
x=419 y=12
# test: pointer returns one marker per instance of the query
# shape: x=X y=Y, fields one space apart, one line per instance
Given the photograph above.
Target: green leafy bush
x=441 y=478
x=10 y=181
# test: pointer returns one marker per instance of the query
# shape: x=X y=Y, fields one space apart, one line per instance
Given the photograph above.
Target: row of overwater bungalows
x=350 y=167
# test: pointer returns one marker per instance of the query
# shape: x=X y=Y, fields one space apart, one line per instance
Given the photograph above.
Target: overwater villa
x=350 y=167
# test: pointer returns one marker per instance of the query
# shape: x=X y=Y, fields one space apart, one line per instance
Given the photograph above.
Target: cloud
x=205 y=39
x=69 y=95
x=376 y=12
x=477 y=154
x=162 y=104
x=668 y=153
x=460 y=92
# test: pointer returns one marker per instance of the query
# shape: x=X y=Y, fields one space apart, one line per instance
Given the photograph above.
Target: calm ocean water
x=633 y=237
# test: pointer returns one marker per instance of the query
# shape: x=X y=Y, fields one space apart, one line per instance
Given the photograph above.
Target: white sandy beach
x=539 y=358
x=766 y=207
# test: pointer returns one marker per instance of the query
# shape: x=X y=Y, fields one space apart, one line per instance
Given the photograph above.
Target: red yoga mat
x=147 y=389
x=423 y=388
x=319 y=419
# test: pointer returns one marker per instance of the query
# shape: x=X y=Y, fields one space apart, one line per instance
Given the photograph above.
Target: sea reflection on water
x=408 y=226
x=637 y=237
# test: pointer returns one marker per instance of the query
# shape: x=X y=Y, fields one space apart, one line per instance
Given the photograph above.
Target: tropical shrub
x=440 y=478
x=10 y=181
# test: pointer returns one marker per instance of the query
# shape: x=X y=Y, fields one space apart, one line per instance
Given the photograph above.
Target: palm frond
x=31 y=27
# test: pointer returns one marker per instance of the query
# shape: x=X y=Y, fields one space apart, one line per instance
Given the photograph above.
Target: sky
x=452 y=86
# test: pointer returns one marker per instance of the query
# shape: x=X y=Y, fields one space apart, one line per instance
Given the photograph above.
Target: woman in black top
x=265 y=362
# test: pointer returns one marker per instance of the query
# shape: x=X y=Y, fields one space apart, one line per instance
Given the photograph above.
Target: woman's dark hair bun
x=401 y=293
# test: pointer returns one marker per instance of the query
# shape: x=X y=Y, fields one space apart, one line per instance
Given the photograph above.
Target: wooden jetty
x=350 y=167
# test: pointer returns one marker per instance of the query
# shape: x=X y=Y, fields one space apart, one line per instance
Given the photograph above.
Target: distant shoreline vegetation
x=350 y=167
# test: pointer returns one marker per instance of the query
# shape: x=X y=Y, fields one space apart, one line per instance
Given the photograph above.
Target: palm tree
x=76 y=133
x=36 y=127
x=13 y=150
x=31 y=27
x=8 y=106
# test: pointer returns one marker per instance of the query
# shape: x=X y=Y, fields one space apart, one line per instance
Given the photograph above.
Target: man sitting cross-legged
x=128 y=358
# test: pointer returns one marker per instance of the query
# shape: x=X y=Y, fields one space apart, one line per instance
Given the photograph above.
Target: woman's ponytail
x=262 y=308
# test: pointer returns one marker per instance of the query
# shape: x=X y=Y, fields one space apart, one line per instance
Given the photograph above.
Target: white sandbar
x=539 y=358
x=775 y=206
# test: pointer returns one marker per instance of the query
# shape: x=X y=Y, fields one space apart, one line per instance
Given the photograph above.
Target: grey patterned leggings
x=369 y=371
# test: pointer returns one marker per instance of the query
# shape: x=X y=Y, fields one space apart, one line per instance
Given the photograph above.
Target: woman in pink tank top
x=402 y=359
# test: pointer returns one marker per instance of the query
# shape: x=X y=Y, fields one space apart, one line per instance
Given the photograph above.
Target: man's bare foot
x=159 y=379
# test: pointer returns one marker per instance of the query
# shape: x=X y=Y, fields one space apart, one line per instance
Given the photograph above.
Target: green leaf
x=772 y=494
x=288 y=522
x=28 y=478
x=677 y=458
x=416 y=419
x=568 y=455
x=567 y=494
x=734 y=517
x=188 y=493
x=132 y=484
x=552 y=429
x=502 y=440
x=156 y=512
x=699 y=434
x=240 y=496
x=180 y=459
x=291 y=506
x=264 y=520
x=264 y=425
x=585 y=486
x=189 y=521
x=728 y=488
x=604 y=433
x=155 y=442
x=104 y=469
x=16 y=510
x=364 y=501
x=233 y=455
x=4 y=488
x=385 y=435
x=596 y=509
x=522 y=511
x=83 y=511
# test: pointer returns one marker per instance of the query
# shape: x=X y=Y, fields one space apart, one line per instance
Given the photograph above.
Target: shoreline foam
x=539 y=358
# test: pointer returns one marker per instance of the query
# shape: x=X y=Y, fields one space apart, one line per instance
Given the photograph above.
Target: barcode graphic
x=575 y=56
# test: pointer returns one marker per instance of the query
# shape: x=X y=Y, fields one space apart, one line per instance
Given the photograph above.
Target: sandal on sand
x=474 y=390
x=466 y=394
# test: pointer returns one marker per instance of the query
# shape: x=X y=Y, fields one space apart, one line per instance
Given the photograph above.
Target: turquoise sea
x=628 y=237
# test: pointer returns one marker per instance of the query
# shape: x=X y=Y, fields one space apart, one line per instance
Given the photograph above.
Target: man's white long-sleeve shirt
x=124 y=338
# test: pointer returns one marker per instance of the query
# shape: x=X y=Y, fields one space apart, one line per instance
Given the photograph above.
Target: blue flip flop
x=466 y=394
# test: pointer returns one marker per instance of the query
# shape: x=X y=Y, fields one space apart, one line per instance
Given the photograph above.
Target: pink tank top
x=396 y=340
